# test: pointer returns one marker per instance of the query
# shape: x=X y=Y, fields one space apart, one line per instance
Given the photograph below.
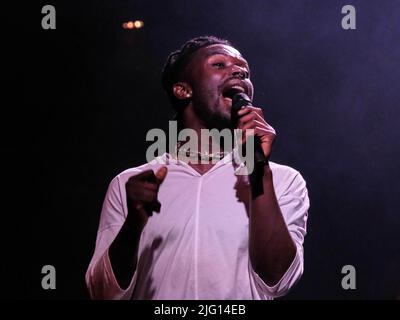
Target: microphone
x=240 y=100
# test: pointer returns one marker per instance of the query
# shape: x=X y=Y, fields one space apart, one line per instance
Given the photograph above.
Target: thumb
x=161 y=174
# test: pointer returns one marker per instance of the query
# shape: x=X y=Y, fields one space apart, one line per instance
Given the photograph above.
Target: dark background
x=83 y=96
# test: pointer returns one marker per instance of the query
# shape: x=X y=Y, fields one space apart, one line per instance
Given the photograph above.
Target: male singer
x=179 y=229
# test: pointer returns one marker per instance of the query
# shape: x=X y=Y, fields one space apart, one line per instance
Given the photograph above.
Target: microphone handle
x=256 y=177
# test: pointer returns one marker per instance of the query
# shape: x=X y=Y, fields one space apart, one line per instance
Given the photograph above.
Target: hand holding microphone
x=245 y=116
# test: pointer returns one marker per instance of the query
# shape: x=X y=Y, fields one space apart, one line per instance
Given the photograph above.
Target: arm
x=141 y=195
x=271 y=247
x=111 y=273
x=276 y=226
x=123 y=252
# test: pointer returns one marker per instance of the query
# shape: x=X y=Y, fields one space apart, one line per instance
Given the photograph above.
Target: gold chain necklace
x=201 y=156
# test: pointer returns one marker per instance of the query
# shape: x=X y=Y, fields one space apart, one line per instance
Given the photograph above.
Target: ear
x=182 y=90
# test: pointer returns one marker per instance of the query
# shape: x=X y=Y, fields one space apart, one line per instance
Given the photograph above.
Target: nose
x=238 y=72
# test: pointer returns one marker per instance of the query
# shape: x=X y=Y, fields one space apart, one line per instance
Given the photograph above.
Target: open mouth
x=231 y=91
x=228 y=93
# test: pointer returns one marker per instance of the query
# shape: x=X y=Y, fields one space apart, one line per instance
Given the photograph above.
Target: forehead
x=220 y=49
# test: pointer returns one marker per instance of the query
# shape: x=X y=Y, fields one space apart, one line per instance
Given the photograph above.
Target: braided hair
x=178 y=60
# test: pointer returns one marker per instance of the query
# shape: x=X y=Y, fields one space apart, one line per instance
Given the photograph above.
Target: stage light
x=137 y=24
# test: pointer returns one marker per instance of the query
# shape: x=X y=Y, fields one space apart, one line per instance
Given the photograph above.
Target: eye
x=218 y=65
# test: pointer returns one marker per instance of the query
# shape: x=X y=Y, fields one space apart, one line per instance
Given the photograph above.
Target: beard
x=212 y=115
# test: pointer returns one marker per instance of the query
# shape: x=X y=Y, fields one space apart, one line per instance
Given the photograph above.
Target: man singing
x=179 y=228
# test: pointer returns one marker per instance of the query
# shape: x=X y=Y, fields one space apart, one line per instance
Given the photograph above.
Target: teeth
x=237 y=88
x=229 y=92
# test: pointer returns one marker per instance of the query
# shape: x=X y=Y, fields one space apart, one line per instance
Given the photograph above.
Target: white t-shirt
x=197 y=246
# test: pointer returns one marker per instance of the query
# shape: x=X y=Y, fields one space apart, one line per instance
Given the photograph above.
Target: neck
x=205 y=143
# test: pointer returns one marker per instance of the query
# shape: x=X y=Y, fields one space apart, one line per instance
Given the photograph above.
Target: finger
x=139 y=207
x=139 y=185
x=147 y=174
x=247 y=109
x=156 y=206
x=260 y=117
x=261 y=128
x=253 y=124
x=136 y=189
x=253 y=115
x=257 y=113
x=140 y=194
x=148 y=196
x=161 y=174
x=255 y=109
x=152 y=206
x=142 y=210
x=150 y=178
x=265 y=133
x=150 y=186
x=266 y=137
x=246 y=118
x=244 y=110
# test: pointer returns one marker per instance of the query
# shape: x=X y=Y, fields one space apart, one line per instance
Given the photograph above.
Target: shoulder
x=286 y=178
x=283 y=171
x=156 y=163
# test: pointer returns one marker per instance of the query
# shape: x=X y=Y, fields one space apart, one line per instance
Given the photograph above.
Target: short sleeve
x=100 y=279
x=294 y=204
